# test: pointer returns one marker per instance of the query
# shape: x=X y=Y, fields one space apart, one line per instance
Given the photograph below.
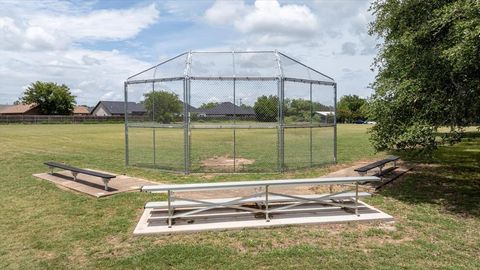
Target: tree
x=428 y=70
x=351 y=108
x=209 y=105
x=50 y=98
x=163 y=106
x=266 y=108
x=303 y=109
x=245 y=106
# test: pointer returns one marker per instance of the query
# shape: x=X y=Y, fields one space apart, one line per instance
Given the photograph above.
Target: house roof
x=227 y=108
x=117 y=107
x=17 y=109
x=4 y=106
x=190 y=107
x=81 y=110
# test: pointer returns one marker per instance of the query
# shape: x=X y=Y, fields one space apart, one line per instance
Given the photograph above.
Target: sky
x=94 y=46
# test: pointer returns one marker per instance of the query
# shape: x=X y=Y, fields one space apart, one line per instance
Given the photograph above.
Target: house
x=20 y=109
x=226 y=110
x=81 y=110
x=326 y=116
x=117 y=108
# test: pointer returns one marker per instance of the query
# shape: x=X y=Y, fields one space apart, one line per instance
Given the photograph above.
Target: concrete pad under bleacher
x=94 y=186
x=154 y=221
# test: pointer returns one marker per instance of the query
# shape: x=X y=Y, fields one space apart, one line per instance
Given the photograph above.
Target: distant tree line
x=295 y=110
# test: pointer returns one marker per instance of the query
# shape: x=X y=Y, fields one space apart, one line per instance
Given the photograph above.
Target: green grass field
x=257 y=145
x=437 y=212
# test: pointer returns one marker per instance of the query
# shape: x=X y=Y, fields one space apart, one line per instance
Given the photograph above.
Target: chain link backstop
x=230 y=112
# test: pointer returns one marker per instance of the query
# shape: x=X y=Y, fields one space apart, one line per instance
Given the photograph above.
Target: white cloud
x=101 y=24
x=225 y=12
x=266 y=22
x=40 y=30
x=106 y=74
x=269 y=16
x=44 y=41
x=108 y=95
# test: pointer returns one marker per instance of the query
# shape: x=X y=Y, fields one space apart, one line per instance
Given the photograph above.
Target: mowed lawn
x=258 y=146
x=436 y=207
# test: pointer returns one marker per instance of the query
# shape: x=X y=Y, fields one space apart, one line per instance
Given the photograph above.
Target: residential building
x=117 y=108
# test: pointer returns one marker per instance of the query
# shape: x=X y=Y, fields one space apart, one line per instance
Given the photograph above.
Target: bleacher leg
x=105 y=182
x=169 y=209
x=74 y=176
x=266 y=204
x=356 y=199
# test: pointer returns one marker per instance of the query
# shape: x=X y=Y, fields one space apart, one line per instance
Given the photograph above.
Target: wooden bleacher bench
x=75 y=171
x=378 y=164
x=266 y=199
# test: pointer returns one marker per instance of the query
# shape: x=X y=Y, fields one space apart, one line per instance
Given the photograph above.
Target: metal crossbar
x=205 y=205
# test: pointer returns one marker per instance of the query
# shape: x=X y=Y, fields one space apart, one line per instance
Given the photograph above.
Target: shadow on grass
x=450 y=177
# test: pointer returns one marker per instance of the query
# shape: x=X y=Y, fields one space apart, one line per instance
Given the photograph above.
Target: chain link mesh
x=216 y=122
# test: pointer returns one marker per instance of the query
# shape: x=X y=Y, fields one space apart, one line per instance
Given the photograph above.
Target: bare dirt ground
x=225 y=163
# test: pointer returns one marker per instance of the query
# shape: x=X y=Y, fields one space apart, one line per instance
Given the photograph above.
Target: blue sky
x=93 y=46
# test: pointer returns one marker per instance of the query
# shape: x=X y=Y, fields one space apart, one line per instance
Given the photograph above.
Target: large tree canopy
x=428 y=70
x=266 y=108
x=163 y=106
x=50 y=98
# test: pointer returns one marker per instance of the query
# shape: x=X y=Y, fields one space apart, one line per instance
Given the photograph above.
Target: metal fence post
x=335 y=123
x=125 y=93
x=311 y=124
x=281 y=128
x=234 y=129
x=234 y=114
x=153 y=125
x=282 y=125
x=186 y=114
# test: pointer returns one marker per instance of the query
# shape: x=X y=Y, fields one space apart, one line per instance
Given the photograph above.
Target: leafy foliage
x=209 y=105
x=428 y=70
x=51 y=98
x=351 y=108
x=163 y=106
x=297 y=110
x=266 y=108
x=302 y=110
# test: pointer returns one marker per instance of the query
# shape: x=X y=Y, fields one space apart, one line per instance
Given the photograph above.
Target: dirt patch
x=225 y=162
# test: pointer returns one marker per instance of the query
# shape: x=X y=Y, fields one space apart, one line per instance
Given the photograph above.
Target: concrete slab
x=94 y=186
x=155 y=221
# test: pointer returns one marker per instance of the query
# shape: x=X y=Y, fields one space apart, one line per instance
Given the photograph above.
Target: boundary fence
x=64 y=119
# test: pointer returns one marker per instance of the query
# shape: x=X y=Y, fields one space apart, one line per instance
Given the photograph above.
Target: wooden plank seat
x=75 y=171
x=378 y=164
x=347 y=199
